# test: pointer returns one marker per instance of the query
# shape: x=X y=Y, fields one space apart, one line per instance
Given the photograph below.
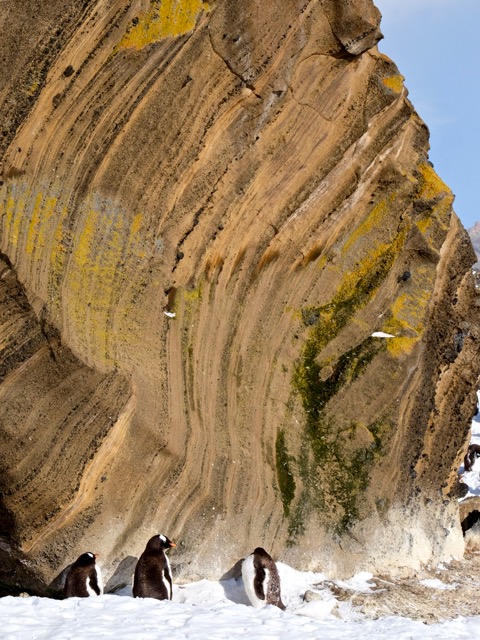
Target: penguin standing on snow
x=261 y=579
x=153 y=577
x=83 y=578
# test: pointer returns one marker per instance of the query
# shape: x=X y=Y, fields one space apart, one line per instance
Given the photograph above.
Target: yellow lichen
x=136 y=224
x=424 y=224
x=431 y=185
x=34 y=223
x=34 y=87
x=191 y=298
x=164 y=18
x=433 y=189
x=17 y=223
x=57 y=259
x=395 y=83
x=408 y=314
x=322 y=262
x=48 y=216
x=81 y=271
x=351 y=280
x=401 y=345
x=373 y=220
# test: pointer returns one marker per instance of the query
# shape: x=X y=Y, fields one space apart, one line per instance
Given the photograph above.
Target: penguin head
x=86 y=559
x=160 y=542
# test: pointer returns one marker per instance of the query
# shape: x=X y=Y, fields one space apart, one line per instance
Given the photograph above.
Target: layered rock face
x=206 y=211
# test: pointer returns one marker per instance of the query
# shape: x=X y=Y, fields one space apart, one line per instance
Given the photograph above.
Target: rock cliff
x=474 y=234
x=206 y=210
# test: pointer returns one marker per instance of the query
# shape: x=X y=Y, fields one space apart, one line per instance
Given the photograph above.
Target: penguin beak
x=172 y=544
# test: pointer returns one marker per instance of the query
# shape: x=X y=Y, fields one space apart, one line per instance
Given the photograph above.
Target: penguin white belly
x=90 y=591
x=248 y=575
x=167 y=584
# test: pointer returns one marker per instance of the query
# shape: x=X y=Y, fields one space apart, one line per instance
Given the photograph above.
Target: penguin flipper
x=258 y=583
x=94 y=585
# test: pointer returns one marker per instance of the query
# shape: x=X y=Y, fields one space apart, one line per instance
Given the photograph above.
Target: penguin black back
x=153 y=577
x=261 y=579
x=83 y=578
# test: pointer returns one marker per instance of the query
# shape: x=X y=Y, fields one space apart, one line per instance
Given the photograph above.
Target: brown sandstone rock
x=261 y=174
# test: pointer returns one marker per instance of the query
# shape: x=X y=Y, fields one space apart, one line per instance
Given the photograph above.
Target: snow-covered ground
x=472 y=478
x=208 y=610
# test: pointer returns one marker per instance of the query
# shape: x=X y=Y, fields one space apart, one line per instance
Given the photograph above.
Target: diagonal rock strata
x=262 y=175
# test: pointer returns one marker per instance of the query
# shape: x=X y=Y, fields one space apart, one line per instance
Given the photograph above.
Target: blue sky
x=436 y=46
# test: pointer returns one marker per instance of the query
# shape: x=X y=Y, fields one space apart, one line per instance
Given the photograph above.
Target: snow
x=381 y=334
x=472 y=478
x=435 y=583
x=360 y=582
x=126 y=618
x=207 y=610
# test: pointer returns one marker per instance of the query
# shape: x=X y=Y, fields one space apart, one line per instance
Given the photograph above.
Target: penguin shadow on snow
x=232 y=584
x=57 y=585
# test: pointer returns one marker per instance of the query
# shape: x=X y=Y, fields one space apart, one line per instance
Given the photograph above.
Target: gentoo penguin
x=261 y=579
x=472 y=454
x=83 y=578
x=153 y=577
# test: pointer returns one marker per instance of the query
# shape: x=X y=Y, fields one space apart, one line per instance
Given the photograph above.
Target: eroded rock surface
x=433 y=594
x=260 y=174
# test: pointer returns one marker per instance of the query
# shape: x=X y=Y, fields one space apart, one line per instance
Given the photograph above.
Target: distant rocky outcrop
x=205 y=213
x=474 y=234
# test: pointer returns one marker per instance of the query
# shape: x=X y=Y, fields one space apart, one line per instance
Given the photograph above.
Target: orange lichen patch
x=395 y=83
x=163 y=19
